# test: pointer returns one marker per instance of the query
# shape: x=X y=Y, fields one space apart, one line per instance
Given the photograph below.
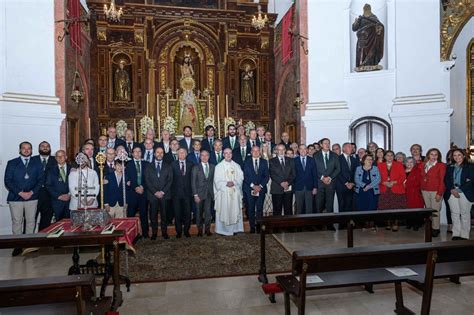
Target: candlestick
x=89 y=123
x=147 y=105
x=135 y=129
x=218 y=118
x=167 y=104
x=157 y=106
x=159 y=127
x=274 y=128
x=227 y=105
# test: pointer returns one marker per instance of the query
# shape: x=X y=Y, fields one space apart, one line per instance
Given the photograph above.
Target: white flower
x=121 y=127
x=209 y=121
x=170 y=125
x=248 y=126
x=145 y=124
x=228 y=121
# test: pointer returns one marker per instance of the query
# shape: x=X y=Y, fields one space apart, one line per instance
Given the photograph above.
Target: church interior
x=236 y=157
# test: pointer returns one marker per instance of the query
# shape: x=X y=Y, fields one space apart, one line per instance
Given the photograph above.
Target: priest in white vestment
x=228 y=179
x=90 y=187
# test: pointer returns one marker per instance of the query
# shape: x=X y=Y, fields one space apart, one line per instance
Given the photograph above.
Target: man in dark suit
x=101 y=145
x=194 y=156
x=148 y=151
x=113 y=141
x=269 y=141
x=114 y=191
x=255 y=185
x=328 y=167
x=109 y=166
x=165 y=141
x=282 y=173
x=253 y=139
x=182 y=193
x=187 y=141
x=150 y=135
x=158 y=179
x=285 y=140
x=261 y=133
x=216 y=156
x=306 y=181
x=44 y=208
x=345 y=180
x=172 y=154
x=136 y=197
x=231 y=141
x=58 y=187
x=130 y=144
x=202 y=186
x=207 y=142
x=88 y=150
x=240 y=153
x=23 y=180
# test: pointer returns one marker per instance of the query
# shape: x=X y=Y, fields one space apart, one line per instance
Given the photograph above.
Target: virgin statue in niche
x=121 y=83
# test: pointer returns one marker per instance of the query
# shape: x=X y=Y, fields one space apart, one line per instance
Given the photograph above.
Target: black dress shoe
x=252 y=231
x=200 y=234
x=456 y=238
x=208 y=233
x=153 y=237
x=187 y=235
x=178 y=235
x=416 y=228
x=166 y=237
x=435 y=233
x=331 y=227
x=17 y=251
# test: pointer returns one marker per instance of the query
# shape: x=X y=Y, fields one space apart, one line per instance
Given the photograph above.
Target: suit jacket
x=213 y=157
x=131 y=175
x=257 y=143
x=144 y=154
x=278 y=174
x=272 y=145
x=118 y=142
x=155 y=145
x=200 y=185
x=181 y=184
x=133 y=146
x=113 y=192
x=332 y=168
x=226 y=143
x=307 y=178
x=162 y=183
x=434 y=179
x=346 y=175
x=193 y=159
x=55 y=185
x=184 y=145
x=108 y=169
x=397 y=173
x=162 y=145
x=251 y=177
x=374 y=176
x=467 y=180
x=287 y=145
x=169 y=157
x=237 y=156
x=205 y=145
x=16 y=182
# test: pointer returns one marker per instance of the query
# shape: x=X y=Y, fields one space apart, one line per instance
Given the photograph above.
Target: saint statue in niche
x=121 y=83
x=247 y=85
x=187 y=68
x=370 y=41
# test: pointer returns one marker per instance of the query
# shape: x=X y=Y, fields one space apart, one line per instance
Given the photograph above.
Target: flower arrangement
x=228 y=121
x=121 y=127
x=209 y=121
x=145 y=124
x=248 y=126
x=170 y=125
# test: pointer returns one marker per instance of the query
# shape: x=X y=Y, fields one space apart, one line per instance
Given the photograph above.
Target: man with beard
x=187 y=141
x=23 y=179
x=45 y=207
x=231 y=141
x=208 y=142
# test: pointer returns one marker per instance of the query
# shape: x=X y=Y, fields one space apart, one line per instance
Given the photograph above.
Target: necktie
x=253 y=143
x=148 y=156
x=349 y=161
x=26 y=162
x=211 y=142
x=242 y=152
x=111 y=165
x=282 y=162
x=62 y=173
x=158 y=168
x=206 y=170
x=304 y=163
x=44 y=163
x=219 y=157
x=182 y=168
x=326 y=160
x=197 y=157
x=129 y=148
x=232 y=142
x=174 y=156
x=256 y=166
x=139 y=174
x=92 y=162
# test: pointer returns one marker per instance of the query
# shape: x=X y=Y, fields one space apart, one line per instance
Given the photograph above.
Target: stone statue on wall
x=247 y=86
x=122 y=86
x=370 y=41
x=187 y=70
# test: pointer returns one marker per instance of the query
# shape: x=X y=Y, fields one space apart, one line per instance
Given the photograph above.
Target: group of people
x=211 y=179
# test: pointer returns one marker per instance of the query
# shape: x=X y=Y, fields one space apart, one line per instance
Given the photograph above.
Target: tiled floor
x=243 y=295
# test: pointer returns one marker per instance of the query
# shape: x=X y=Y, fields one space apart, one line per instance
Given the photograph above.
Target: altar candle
x=147 y=105
x=157 y=107
x=274 y=128
x=167 y=105
x=218 y=118
x=227 y=106
x=159 y=127
x=89 y=123
x=135 y=129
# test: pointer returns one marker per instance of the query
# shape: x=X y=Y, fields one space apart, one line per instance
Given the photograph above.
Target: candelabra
x=259 y=21
x=112 y=13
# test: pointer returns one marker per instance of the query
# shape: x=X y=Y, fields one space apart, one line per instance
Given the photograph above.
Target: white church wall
x=29 y=109
x=279 y=7
x=459 y=85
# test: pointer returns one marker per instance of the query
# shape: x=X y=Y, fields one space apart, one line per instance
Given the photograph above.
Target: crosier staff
x=100 y=159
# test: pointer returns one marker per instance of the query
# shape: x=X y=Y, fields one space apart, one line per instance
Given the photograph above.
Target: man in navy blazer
x=114 y=191
x=345 y=180
x=217 y=154
x=253 y=139
x=130 y=144
x=44 y=199
x=231 y=141
x=23 y=179
x=136 y=195
x=207 y=142
x=256 y=177
x=113 y=141
x=187 y=141
x=58 y=186
x=306 y=181
x=195 y=155
x=182 y=193
x=242 y=152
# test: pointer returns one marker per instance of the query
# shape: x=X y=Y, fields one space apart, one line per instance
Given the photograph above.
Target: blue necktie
x=148 y=156
x=158 y=168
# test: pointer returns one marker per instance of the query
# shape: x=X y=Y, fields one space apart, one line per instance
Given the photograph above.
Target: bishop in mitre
x=228 y=178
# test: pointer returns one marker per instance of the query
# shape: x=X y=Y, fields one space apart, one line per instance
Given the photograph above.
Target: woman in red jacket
x=413 y=189
x=432 y=184
x=392 y=190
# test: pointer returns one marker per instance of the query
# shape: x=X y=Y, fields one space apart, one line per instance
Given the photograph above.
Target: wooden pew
x=343 y=267
x=267 y=224
x=80 y=289
x=77 y=239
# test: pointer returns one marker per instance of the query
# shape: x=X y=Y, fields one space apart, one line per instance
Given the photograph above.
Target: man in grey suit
x=328 y=167
x=282 y=173
x=158 y=179
x=202 y=186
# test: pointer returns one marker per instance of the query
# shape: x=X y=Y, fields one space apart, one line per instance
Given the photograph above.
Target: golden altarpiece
x=188 y=60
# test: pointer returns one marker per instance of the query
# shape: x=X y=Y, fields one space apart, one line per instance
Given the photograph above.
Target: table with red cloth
x=130 y=226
